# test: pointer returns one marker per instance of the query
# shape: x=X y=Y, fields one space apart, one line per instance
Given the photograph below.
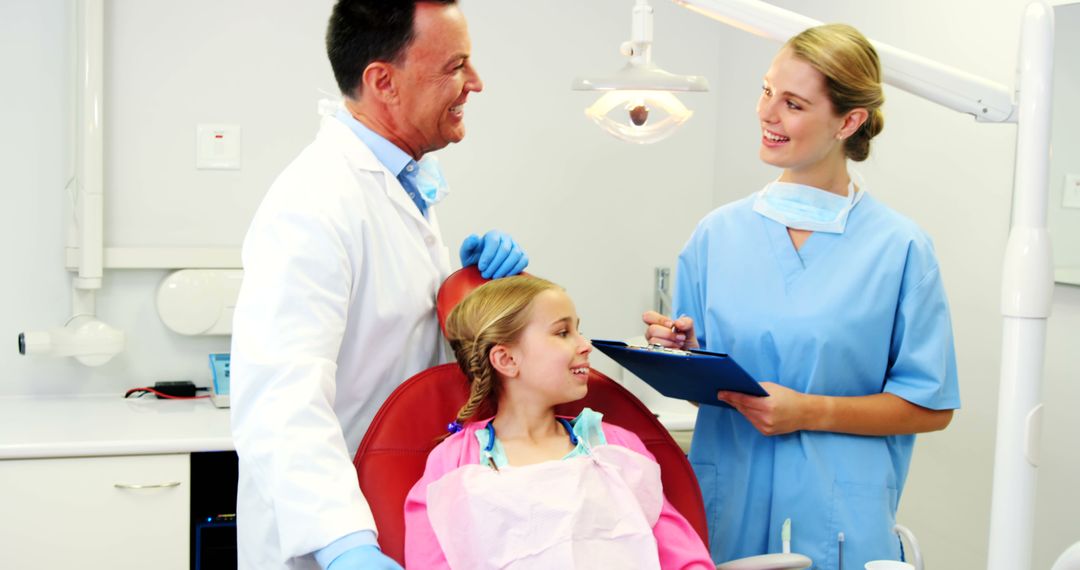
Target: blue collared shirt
x=393 y=158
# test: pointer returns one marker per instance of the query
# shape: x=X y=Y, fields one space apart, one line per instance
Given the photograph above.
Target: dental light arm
x=752 y=16
x=947 y=86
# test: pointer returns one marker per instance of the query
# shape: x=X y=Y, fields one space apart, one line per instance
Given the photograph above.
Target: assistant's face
x=798 y=124
x=434 y=80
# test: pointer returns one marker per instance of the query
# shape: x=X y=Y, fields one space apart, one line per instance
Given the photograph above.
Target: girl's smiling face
x=552 y=356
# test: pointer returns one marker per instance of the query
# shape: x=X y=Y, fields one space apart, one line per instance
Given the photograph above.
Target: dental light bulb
x=640 y=117
x=640 y=90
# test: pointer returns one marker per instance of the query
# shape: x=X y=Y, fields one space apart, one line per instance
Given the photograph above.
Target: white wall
x=596 y=215
x=172 y=65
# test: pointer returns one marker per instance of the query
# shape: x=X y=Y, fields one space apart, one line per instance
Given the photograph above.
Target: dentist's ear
x=378 y=81
x=503 y=360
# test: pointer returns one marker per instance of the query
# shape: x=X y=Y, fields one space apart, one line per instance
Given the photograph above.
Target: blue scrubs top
x=848 y=314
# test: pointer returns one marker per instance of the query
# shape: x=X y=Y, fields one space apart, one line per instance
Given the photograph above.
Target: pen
x=840 y=548
x=674 y=329
x=785 y=535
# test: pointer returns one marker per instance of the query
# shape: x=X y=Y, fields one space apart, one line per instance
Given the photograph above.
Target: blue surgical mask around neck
x=429 y=180
x=802 y=207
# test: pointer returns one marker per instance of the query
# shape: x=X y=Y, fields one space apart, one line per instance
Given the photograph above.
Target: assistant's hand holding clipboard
x=784 y=411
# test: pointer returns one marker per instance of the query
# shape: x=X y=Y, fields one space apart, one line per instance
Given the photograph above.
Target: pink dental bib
x=594 y=511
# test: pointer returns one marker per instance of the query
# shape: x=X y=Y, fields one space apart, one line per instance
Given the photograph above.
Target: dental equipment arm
x=947 y=86
x=84 y=337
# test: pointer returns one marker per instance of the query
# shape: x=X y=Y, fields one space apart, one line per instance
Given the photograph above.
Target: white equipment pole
x=1026 y=293
x=90 y=164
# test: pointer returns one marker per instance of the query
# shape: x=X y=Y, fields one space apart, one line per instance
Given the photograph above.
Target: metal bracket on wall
x=662 y=297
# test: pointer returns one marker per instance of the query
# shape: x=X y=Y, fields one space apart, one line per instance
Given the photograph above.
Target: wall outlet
x=217 y=147
x=1070 y=194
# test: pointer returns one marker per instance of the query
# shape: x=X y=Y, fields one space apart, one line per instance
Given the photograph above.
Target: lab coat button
x=430 y=240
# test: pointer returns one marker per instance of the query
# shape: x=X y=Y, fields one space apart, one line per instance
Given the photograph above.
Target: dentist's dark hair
x=495 y=313
x=852 y=73
x=363 y=31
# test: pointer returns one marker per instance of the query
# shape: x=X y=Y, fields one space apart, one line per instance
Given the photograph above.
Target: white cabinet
x=111 y=513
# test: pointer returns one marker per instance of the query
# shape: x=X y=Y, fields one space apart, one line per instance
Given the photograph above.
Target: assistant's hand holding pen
x=669 y=333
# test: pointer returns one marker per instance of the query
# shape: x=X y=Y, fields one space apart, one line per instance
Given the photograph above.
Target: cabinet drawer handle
x=155 y=486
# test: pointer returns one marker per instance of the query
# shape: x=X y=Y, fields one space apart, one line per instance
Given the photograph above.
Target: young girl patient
x=526 y=488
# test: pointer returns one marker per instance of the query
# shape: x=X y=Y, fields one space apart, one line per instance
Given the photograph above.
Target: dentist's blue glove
x=355 y=551
x=496 y=255
x=366 y=557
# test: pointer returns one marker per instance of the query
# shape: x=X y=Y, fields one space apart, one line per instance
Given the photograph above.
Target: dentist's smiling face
x=434 y=79
x=798 y=124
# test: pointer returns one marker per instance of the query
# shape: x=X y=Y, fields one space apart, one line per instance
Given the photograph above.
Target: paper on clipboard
x=693 y=375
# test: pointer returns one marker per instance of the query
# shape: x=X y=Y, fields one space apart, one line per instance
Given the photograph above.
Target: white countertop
x=82 y=426
x=676 y=420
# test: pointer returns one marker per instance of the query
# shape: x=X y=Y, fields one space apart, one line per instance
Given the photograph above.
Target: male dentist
x=342 y=263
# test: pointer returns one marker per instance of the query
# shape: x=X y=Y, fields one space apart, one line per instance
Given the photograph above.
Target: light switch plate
x=217 y=147
x=1070 y=194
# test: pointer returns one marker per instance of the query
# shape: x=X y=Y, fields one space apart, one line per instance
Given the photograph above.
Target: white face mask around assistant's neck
x=804 y=207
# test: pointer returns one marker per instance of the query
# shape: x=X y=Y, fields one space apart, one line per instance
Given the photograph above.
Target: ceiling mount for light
x=640 y=89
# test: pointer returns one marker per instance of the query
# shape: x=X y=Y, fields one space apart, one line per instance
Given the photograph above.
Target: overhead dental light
x=638 y=105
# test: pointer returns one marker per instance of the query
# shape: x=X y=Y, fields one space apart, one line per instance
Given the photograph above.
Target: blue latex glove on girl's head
x=495 y=255
x=365 y=557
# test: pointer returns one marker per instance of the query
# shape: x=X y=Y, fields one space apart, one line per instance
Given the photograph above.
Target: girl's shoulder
x=458 y=449
x=623 y=437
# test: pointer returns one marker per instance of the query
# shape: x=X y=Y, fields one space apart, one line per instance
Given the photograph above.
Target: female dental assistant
x=831 y=299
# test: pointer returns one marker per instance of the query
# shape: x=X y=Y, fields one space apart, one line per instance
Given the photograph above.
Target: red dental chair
x=392 y=455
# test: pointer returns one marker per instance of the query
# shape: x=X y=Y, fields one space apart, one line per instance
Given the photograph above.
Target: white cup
x=888 y=565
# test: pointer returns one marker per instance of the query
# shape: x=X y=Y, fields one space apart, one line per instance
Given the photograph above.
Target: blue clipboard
x=693 y=375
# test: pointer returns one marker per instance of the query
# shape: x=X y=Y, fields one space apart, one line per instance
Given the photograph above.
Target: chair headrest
x=459 y=284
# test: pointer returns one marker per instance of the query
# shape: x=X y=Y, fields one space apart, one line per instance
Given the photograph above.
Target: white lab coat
x=336 y=309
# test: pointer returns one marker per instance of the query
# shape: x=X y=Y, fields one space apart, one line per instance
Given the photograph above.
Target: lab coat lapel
x=427 y=227
x=360 y=157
